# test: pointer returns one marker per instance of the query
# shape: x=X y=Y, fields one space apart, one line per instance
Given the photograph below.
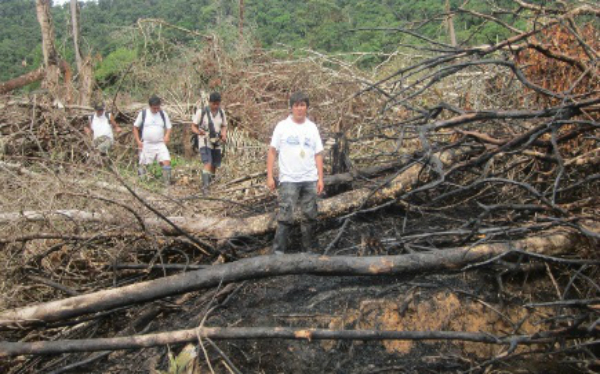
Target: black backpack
x=162 y=115
x=211 y=129
x=107 y=114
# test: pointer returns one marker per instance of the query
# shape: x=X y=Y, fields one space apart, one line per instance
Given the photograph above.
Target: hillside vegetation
x=109 y=27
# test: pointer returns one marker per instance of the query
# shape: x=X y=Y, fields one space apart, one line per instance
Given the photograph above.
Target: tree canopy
x=108 y=26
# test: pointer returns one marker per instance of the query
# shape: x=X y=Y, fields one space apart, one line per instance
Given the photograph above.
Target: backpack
x=162 y=115
x=107 y=114
x=211 y=129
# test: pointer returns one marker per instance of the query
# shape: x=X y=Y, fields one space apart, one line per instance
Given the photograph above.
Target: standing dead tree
x=84 y=65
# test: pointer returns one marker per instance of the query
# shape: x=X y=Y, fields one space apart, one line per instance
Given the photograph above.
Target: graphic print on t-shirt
x=293 y=140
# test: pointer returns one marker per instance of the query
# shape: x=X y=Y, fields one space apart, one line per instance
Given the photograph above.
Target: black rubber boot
x=206 y=179
x=309 y=239
x=281 y=238
x=142 y=172
x=166 y=172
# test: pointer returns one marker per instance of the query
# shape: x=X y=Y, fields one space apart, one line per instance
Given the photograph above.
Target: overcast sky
x=60 y=2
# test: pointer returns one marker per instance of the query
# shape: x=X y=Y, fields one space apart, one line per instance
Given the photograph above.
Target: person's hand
x=271 y=183
x=167 y=139
x=320 y=186
x=118 y=129
x=223 y=138
x=201 y=132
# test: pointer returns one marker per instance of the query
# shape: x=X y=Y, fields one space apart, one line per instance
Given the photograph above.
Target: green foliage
x=19 y=36
x=109 y=28
x=114 y=64
x=185 y=363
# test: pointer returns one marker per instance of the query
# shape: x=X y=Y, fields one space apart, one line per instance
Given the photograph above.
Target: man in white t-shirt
x=99 y=126
x=210 y=125
x=298 y=143
x=152 y=132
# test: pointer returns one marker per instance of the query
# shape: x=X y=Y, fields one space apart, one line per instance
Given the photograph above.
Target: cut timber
x=254 y=333
x=218 y=227
x=270 y=266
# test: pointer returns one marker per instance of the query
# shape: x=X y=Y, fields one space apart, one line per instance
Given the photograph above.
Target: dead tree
x=84 y=66
x=51 y=59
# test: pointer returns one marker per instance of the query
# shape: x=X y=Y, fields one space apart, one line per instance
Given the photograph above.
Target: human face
x=214 y=106
x=99 y=112
x=154 y=108
x=299 y=110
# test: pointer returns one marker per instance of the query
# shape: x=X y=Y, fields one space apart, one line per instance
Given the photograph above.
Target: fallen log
x=254 y=333
x=230 y=227
x=23 y=80
x=227 y=227
x=271 y=266
x=73 y=214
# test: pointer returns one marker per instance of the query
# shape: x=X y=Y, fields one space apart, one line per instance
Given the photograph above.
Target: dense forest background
x=110 y=29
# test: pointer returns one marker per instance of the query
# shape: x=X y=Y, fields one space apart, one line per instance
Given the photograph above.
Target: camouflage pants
x=103 y=144
x=291 y=194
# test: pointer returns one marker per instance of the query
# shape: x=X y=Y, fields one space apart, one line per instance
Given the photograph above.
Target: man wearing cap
x=100 y=126
x=210 y=125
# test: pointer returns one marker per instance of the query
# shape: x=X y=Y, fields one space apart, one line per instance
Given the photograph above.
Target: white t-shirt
x=101 y=125
x=154 y=127
x=297 y=145
x=218 y=121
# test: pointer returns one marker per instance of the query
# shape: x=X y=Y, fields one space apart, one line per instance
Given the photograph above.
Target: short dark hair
x=154 y=101
x=99 y=106
x=215 y=97
x=299 y=97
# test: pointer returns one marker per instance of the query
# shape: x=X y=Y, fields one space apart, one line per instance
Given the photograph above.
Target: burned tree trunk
x=84 y=66
x=271 y=266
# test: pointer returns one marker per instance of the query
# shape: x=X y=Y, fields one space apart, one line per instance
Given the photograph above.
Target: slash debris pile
x=459 y=233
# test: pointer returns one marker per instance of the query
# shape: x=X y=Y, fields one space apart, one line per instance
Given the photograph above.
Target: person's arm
x=224 y=129
x=319 y=161
x=136 y=130
x=320 y=182
x=88 y=128
x=196 y=123
x=168 y=128
x=136 y=135
x=196 y=130
x=271 y=155
x=114 y=124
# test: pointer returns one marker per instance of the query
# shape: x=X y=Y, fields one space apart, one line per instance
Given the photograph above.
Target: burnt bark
x=271 y=266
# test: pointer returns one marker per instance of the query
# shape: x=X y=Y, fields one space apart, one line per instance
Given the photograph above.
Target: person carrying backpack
x=99 y=126
x=210 y=126
x=152 y=132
